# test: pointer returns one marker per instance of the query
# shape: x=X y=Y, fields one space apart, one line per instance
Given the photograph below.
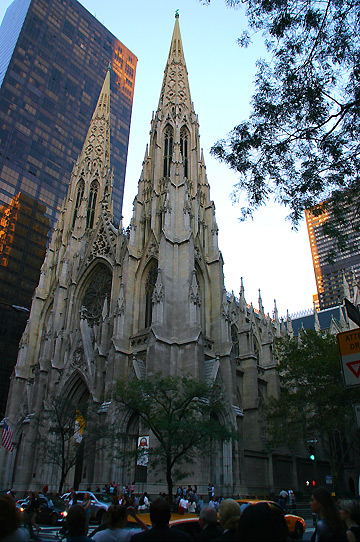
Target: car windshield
x=103 y=497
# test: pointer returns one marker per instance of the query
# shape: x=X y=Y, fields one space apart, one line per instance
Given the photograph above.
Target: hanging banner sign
x=80 y=424
x=143 y=447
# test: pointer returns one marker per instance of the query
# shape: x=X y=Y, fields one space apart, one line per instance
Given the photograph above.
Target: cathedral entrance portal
x=78 y=396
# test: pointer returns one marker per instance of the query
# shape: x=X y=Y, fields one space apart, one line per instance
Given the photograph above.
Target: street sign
x=349 y=348
x=352 y=312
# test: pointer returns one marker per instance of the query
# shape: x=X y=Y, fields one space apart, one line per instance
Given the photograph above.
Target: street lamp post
x=15 y=307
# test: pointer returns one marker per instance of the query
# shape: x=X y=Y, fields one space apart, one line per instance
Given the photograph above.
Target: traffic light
x=312 y=452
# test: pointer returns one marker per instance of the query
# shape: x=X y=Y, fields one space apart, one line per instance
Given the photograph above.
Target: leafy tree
x=178 y=411
x=313 y=401
x=70 y=432
x=300 y=144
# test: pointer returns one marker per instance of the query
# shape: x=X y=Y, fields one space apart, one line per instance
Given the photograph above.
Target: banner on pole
x=143 y=453
x=80 y=424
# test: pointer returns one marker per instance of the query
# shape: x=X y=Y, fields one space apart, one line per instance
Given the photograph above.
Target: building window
x=168 y=149
x=184 y=149
x=235 y=341
x=79 y=197
x=99 y=287
x=149 y=289
x=90 y=216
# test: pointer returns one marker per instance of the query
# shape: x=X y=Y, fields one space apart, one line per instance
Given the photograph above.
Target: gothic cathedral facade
x=114 y=303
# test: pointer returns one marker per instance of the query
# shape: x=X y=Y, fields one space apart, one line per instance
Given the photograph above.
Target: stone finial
x=261 y=307
x=346 y=289
x=289 y=324
x=317 y=325
x=275 y=313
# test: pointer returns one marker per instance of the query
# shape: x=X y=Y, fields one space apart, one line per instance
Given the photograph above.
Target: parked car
x=296 y=524
x=100 y=502
x=51 y=511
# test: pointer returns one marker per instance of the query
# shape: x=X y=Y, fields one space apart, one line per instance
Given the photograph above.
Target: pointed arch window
x=98 y=288
x=184 y=149
x=168 y=149
x=149 y=289
x=79 y=197
x=90 y=216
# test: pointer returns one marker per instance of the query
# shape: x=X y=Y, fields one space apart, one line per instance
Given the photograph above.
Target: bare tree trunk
x=169 y=479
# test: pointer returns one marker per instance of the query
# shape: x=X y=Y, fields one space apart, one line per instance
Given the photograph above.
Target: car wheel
x=298 y=533
x=100 y=516
x=54 y=519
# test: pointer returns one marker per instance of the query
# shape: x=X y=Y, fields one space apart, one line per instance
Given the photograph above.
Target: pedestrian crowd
x=261 y=521
x=188 y=500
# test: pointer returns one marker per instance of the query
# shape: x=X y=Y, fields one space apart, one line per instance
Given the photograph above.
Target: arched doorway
x=76 y=401
x=130 y=467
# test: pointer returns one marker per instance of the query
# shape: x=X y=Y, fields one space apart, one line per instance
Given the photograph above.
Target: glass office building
x=329 y=276
x=53 y=60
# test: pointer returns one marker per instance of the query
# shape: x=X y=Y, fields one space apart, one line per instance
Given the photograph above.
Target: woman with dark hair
x=350 y=514
x=262 y=522
x=76 y=522
x=10 y=522
x=329 y=525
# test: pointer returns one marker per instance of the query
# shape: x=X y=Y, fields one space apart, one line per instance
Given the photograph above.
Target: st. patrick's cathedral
x=117 y=303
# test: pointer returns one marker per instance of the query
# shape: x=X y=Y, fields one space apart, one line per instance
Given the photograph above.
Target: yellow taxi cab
x=296 y=524
x=185 y=522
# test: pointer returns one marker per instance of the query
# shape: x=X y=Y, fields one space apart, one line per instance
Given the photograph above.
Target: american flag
x=6 y=437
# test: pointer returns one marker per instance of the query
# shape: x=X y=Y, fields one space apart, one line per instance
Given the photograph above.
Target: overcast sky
x=264 y=251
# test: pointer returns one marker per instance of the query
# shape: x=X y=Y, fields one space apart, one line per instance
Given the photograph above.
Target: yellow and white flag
x=80 y=424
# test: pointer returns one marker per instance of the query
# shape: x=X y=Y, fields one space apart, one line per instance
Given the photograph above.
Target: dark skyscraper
x=53 y=59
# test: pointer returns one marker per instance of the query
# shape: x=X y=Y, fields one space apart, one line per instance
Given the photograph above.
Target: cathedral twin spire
x=91 y=180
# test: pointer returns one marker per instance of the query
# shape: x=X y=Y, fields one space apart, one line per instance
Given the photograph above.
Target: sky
x=265 y=251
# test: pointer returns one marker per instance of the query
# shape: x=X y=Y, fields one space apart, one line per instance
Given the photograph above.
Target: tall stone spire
x=175 y=92
x=173 y=192
x=91 y=181
x=96 y=148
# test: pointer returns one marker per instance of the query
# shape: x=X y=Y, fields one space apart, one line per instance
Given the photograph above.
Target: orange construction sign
x=349 y=348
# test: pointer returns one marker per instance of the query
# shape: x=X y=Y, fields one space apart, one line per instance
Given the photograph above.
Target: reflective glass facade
x=53 y=60
x=23 y=232
x=329 y=277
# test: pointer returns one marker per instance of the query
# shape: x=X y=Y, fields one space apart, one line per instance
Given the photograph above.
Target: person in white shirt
x=183 y=505
x=143 y=502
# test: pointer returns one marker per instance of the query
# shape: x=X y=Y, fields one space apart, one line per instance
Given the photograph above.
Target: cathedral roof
x=308 y=321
